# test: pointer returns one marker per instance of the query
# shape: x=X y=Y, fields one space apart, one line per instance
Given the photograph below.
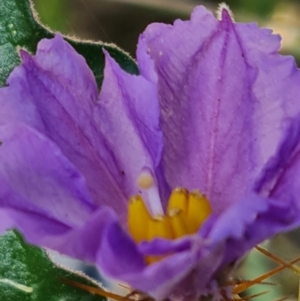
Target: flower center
x=185 y=213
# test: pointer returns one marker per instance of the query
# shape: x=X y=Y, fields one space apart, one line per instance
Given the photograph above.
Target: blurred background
x=121 y=21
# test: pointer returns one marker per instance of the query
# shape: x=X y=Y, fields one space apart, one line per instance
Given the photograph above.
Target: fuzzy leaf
x=27 y=274
x=19 y=28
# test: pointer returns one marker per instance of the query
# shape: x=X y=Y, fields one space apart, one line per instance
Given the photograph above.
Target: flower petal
x=249 y=222
x=6 y=221
x=43 y=195
x=185 y=272
x=160 y=246
x=83 y=242
x=36 y=178
x=128 y=116
x=280 y=178
x=225 y=101
x=55 y=92
x=281 y=183
x=118 y=247
x=108 y=141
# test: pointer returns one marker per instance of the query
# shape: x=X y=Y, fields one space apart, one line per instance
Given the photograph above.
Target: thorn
x=124 y=286
x=268 y=283
x=134 y=294
x=238 y=298
x=278 y=259
x=247 y=284
x=94 y=290
x=299 y=290
x=254 y=296
x=283 y=298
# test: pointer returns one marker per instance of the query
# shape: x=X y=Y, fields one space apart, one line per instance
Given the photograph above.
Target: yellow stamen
x=198 y=210
x=153 y=258
x=185 y=214
x=159 y=227
x=178 y=200
x=138 y=218
x=178 y=223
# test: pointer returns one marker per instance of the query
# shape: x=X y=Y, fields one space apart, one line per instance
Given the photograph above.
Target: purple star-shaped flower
x=215 y=108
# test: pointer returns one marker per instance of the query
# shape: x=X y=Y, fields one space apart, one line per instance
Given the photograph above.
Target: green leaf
x=27 y=274
x=19 y=28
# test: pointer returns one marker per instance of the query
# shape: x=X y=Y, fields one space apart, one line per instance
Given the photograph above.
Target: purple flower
x=215 y=109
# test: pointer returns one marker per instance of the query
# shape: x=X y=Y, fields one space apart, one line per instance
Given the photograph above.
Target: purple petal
x=36 y=227
x=234 y=220
x=127 y=114
x=45 y=196
x=146 y=65
x=36 y=178
x=175 y=274
x=183 y=275
x=118 y=247
x=55 y=92
x=83 y=242
x=6 y=220
x=131 y=268
x=249 y=222
x=280 y=182
x=199 y=280
x=280 y=178
x=226 y=101
x=159 y=246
